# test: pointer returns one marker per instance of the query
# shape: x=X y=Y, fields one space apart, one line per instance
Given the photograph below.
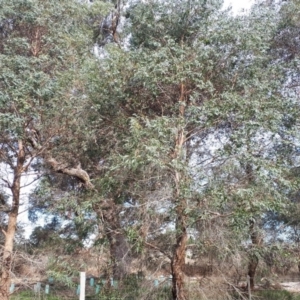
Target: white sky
x=238 y=5
x=27 y=186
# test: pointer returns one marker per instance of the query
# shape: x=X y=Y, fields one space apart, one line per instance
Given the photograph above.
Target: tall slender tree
x=42 y=47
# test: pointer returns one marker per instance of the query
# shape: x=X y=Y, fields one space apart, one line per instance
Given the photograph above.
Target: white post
x=82 y=286
x=249 y=287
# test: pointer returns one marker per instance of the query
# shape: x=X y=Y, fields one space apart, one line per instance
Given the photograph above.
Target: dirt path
x=291 y=286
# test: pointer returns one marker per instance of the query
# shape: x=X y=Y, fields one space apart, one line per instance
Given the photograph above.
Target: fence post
x=97 y=289
x=47 y=288
x=37 y=288
x=115 y=284
x=92 y=281
x=82 y=286
x=249 y=287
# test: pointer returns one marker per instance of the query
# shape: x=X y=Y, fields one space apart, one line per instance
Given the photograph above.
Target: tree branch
x=77 y=172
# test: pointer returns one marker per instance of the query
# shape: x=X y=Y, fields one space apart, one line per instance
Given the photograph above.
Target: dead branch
x=77 y=172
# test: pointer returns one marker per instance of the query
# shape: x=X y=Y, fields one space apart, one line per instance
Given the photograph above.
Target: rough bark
x=254 y=235
x=178 y=261
x=253 y=259
x=119 y=249
x=252 y=265
x=178 y=256
x=7 y=255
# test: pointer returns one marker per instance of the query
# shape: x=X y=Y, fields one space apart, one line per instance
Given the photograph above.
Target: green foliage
x=191 y=71
x=233 y=94
x=62 y=270
x=41 y=237
x=42 y=49
x=135 y=239
x=154 y=23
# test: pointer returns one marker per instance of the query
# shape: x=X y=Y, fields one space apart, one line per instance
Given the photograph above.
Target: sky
x=238 y=5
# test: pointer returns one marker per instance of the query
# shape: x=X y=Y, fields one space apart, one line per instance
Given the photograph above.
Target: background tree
x=174 y=91
x=42 y=48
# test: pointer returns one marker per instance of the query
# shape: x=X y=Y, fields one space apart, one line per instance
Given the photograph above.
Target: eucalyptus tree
x=286 y=50
x=42 y=104
x=191 y=70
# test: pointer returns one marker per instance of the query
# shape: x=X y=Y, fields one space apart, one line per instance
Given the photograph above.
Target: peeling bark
x=7 y=255
x=178 y=262
x=178 y=256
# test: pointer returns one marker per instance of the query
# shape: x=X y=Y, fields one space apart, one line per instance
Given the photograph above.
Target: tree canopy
x=149 y=125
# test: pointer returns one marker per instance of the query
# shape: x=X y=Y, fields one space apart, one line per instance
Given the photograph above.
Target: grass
x=29 y=295
x=160 y=294
x=276 y=295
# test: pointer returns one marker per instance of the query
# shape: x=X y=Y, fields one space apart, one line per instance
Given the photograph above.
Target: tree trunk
x=253 y=263
x=178 y=257
x=119 y=250
x=178 y=260
x=253 y=259
x=254 y=235
x=7 y=254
